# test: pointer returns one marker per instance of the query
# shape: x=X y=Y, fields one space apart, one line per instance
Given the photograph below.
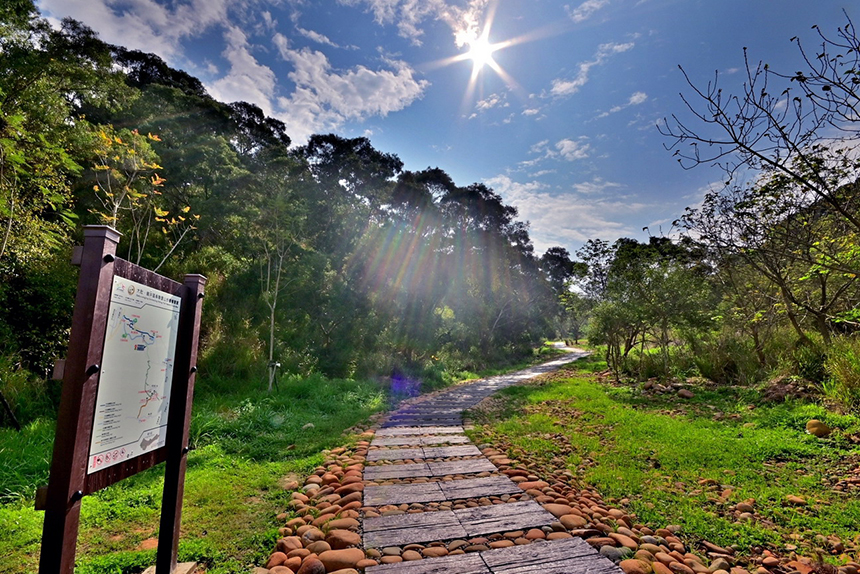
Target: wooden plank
x=460 y=467
x=411 y=440
x=402 y=493
x=463 y=564
x=384 y=472
x=448 y=451
x=566 y=556
x=394 y=454
x=418 y=419
x=402 y=529
x=419 y=440
x=416 y=422
x=503 y=517
x=430 y=409
x=476 y=487
x=454 y=429
x=441 y=439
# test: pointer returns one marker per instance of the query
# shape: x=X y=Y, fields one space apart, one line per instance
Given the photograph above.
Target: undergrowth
x=655 y=452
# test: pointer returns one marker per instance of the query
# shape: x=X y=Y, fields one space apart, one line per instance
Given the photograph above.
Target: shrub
x=842 y=367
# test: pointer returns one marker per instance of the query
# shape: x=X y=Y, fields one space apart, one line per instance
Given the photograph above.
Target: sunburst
x=481 y=51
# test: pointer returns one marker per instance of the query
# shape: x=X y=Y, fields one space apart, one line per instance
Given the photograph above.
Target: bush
x=29 y=396
x=842 y=367
x=808 y=361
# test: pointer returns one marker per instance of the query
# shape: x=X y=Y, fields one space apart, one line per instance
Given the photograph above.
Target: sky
x=561 y=121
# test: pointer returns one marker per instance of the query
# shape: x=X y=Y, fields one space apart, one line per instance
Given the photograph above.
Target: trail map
x=136 y=374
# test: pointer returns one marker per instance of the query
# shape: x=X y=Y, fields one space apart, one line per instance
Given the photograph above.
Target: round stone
x=338 y=559
x=633 y=566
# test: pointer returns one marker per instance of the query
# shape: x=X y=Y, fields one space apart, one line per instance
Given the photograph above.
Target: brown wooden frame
x=69 y=481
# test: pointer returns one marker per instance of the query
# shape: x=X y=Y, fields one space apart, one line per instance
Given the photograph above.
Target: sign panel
x=136 y=374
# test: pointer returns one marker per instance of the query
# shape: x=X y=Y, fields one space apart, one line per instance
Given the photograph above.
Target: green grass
x=244 y=444
x=655 y=452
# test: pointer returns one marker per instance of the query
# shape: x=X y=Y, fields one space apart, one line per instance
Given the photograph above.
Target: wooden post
x=178 y=422
x=77 y=401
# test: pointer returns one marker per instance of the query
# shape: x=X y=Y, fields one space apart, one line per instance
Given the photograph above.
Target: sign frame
x=69 y=481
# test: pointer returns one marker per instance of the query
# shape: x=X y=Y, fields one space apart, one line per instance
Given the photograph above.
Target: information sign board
x=136 y=374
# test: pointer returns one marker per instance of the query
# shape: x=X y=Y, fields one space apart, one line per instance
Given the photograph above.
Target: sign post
x=128 y=381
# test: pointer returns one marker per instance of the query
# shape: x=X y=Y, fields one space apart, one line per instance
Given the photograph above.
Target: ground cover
x=724 y=465
x=246 y=446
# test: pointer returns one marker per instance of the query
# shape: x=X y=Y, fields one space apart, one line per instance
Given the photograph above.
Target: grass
x=659 y=453
x=244 y=444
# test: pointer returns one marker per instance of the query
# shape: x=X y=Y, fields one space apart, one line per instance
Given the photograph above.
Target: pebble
x=817 y=428
x=312 y=566
x=276 y=559
x=410 y=555
x=614 y=554
x=338 y=559
x=633 y=566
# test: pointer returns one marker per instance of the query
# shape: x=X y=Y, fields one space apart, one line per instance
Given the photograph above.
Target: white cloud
x=144 y=24
x=324 y=98
x=586 y=9
x=491 y=101
x=636 y=99
x=531 y=111
x=539 y=147
x=573 y=150
x=409 y=15
x=282 y=43
x=569 y=87
x=565 y=219
x=595 y=186
x=247 y=80
x=316 y=37
x=567 y=149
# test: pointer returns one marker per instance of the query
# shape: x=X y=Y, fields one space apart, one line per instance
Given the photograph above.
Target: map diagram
x=136 y=374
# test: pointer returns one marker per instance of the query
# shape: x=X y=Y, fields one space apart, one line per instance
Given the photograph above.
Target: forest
x=339 y=281
x=326 y=258
x=330 y=258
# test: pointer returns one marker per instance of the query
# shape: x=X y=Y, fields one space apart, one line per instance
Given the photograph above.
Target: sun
x=481 y=52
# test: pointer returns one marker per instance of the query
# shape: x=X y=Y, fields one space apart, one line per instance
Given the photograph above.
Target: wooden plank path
x=437 y=430
x=428 y=469
x=568 y=556
x=402 y=529
x=438 y=421
x=408 y=528
x=438 y=491
x=425 y=452
x=419 y=440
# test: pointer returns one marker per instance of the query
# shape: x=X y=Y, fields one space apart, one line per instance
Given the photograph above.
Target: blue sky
x=563 y=126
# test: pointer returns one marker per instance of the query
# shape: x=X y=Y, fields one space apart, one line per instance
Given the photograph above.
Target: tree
x=798 y=126
x=805 y=250
x=45 y=75
x=277 y=232
x=559 y=268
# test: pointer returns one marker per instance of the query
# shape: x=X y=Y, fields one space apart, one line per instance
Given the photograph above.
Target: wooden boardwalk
x=569 y=556
x=438 y=421
x=436 y=491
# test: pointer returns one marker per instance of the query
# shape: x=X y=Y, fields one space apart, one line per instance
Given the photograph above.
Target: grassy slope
x=661 y=453
x=245 y=444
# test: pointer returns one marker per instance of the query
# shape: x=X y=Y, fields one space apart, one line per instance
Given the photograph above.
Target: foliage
x=328 y=257
x=244 y=443
x=842 y=366
x=626 y=445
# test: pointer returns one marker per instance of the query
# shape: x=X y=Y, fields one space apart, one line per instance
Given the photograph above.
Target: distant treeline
x=327 y=257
